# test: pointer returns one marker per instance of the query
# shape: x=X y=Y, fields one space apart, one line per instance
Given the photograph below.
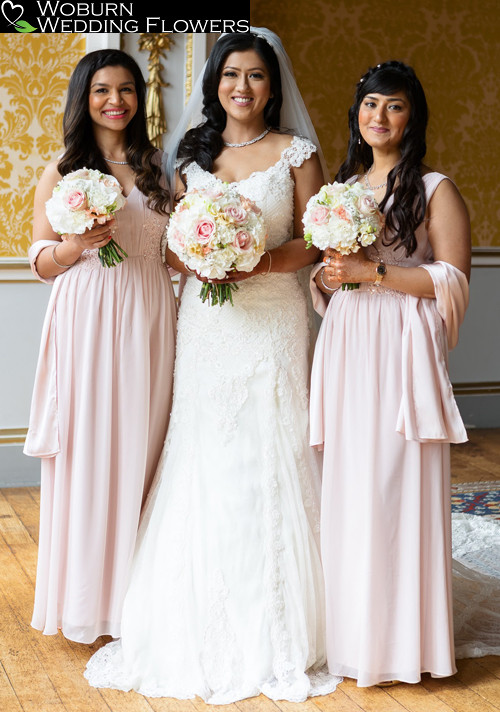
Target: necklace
x=247 y=143
x=117 y=163
x=373 y=187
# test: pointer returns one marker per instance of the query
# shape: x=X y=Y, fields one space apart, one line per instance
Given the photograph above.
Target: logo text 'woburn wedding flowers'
x=63 y=16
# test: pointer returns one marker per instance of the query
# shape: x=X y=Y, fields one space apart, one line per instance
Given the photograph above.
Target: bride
x=226 y=594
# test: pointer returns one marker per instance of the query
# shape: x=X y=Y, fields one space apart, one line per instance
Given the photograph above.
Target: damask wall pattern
x=453 y=46
x=34 y=71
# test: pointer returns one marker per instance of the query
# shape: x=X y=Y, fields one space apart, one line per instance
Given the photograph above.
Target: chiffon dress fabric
x=99 y=416
x=226 y=596
x=382 y=410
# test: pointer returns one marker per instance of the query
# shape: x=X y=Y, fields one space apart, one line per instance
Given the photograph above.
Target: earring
x=359 y=141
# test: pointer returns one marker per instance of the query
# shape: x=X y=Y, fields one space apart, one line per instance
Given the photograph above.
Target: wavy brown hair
x=81 y=147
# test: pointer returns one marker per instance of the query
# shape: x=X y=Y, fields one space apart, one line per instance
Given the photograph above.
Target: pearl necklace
x=373 y=187
x=247 y=143
x=117 y=163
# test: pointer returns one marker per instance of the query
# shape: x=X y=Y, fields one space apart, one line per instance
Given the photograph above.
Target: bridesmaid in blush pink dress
x=381 y=402
x=102 y=391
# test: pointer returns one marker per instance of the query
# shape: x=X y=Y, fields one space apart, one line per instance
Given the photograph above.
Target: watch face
x=381 y=269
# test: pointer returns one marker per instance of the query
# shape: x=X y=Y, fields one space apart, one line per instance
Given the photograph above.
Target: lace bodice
x=271 y=189
x=138 y=229
x=423 y=254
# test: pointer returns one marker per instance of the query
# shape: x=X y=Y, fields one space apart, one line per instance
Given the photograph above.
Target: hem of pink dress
x=370 y=679
x=79 y=634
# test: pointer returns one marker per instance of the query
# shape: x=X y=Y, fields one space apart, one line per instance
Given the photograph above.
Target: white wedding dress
x=226 y=595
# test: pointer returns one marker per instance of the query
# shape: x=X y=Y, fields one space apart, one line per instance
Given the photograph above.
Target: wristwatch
x=381 y=271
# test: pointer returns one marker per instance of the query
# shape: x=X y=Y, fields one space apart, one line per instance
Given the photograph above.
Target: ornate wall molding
x=157 y=45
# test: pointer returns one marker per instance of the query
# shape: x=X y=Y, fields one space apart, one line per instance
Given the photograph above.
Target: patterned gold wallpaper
x=34 y=71
x=453 y=46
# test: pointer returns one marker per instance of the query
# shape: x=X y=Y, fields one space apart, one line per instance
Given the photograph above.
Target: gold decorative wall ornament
x=156 y=44
x=188 y=87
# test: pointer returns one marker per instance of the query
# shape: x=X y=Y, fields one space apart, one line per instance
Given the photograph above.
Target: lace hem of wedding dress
x=476 y=585
x=106 y=669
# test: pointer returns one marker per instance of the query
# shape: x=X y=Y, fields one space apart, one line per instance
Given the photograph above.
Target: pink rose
x=367 y=205
x=204 y=230
x=75 y=200
x=319 y=215
x=242 y=240
x=237 y=214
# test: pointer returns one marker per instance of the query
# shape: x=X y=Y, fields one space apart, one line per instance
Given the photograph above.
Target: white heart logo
x=12 y=10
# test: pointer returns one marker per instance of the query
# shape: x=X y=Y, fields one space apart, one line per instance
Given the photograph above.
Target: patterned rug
x=480 y=498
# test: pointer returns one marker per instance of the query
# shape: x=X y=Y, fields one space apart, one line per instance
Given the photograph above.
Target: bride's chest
x=272 y=190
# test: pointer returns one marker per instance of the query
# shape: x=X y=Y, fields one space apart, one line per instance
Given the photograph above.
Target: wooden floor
x=44 y=673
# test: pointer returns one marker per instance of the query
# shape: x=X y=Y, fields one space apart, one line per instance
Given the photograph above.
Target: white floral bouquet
x=344 y=217
x=214 y=232
x=82 y=198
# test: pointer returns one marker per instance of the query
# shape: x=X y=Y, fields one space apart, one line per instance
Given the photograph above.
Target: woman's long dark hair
x=204 y=142
x=408 y=209
x=82 y=150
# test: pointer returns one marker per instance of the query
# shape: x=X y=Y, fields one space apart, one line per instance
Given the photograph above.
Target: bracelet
x=323 y=281
x=270 y=262
x=56 y=262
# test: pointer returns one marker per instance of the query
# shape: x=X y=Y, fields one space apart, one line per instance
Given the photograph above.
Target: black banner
x=47 y=16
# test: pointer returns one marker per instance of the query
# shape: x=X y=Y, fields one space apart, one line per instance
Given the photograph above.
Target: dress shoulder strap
x=298 y=151
x=431 y=182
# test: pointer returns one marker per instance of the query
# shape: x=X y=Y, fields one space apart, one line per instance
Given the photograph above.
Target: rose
x=204 y=230
x=212 y=193
x=242 y=240
x=319 y=215
x=341 y=213
x=236 y=213
x=75 y=200
x=367 y=205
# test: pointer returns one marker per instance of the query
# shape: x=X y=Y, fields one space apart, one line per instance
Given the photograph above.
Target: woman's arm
x=449 y=235
x=71 y=247
x=293 y=254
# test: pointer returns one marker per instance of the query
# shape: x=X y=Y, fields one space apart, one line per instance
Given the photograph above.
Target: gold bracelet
x=330 y=289
x=270 y=262
x=56 y=262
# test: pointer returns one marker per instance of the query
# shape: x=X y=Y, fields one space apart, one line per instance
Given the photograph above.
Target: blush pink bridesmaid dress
x=383 y=411
x=98 y=421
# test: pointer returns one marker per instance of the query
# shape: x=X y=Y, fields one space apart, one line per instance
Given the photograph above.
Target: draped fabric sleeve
x=33 y=253
x=42 y=439
x=428 y=411
x=452 y=297
x=320 y=300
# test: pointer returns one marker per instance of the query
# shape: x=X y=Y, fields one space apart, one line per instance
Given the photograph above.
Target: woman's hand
x=343 y=269
x=263 y=267
x=93 y=239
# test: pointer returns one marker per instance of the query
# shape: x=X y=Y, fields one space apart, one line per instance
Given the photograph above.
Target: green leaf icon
x=23 y=26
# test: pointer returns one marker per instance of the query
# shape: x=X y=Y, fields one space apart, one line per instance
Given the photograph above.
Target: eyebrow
x=388 y=98
x=251 y=69
x=103 y=84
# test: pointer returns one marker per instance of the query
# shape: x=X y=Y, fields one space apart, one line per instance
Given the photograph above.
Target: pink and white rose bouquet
x=344 y=217
x=81 y=199
x=215 y=232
